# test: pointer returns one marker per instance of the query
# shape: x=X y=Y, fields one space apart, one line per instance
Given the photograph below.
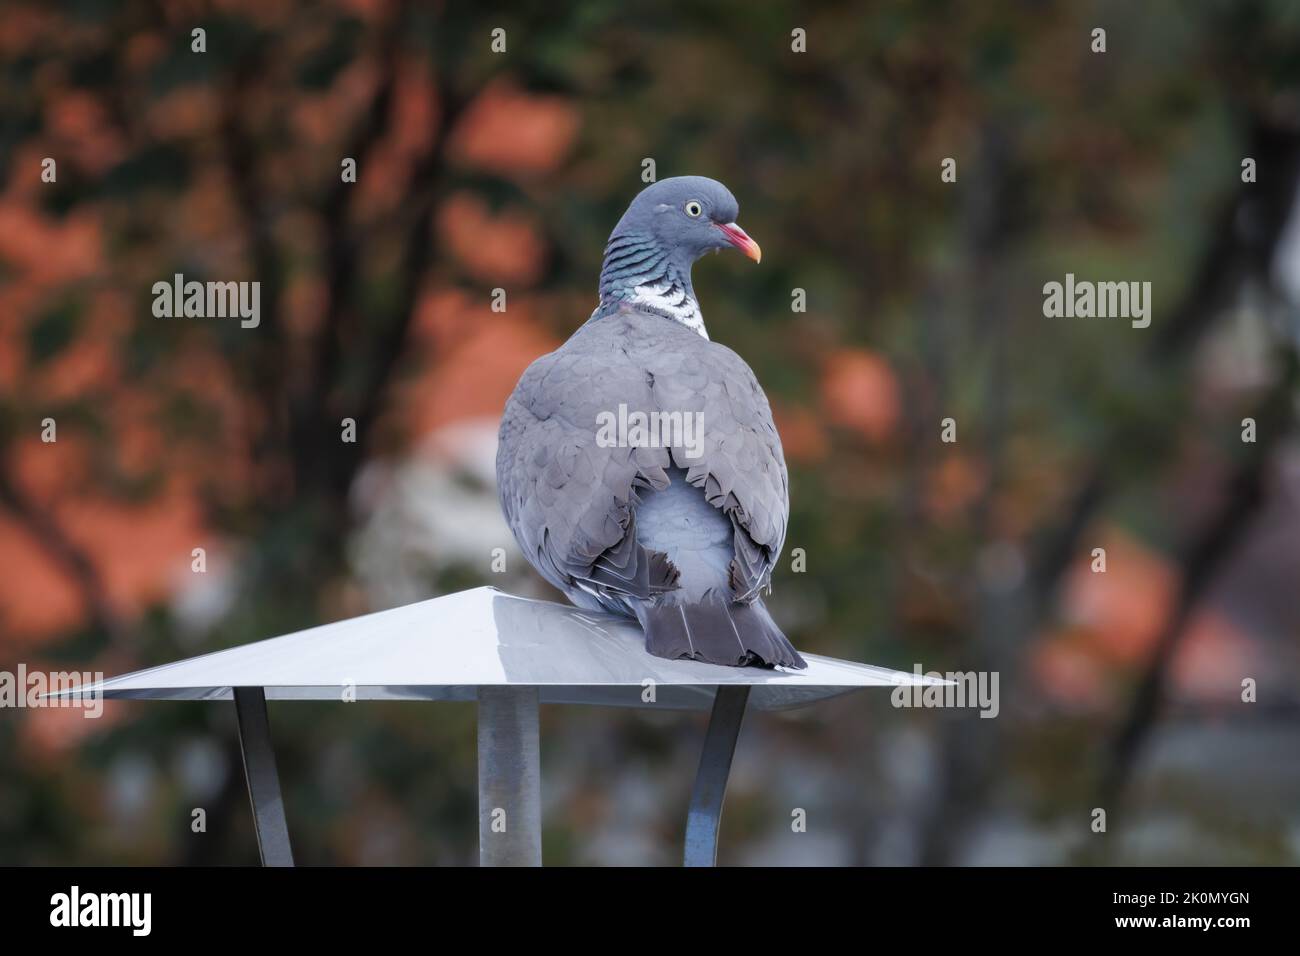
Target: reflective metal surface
x=263 y=781
x=705 y=814
x=447 y=647
x=509 y=777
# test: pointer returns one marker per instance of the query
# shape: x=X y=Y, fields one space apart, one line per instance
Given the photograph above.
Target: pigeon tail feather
x=718 y=632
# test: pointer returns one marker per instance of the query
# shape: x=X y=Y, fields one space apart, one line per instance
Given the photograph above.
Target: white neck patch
x=669 y=299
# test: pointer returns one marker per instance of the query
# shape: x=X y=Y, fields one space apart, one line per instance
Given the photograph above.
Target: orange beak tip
x=741 y=240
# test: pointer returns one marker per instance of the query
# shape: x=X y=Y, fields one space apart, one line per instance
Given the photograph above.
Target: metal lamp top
x=448 y=647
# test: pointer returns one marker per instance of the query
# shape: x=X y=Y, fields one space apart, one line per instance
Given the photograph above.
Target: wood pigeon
x=638 y=465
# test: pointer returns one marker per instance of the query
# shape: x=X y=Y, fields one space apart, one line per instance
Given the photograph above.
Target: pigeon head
x=667 y=227
x=689 y=216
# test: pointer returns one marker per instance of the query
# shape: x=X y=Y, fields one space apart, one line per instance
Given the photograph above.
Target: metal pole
x=263 y=781
x=509 y=778
x=711 y=781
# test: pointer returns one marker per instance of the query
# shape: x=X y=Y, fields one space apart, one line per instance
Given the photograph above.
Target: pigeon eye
x=693 y=209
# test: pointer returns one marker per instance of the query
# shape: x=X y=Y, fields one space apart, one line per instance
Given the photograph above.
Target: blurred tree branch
x=341 y=256
x=1241 y=500
x=1246 y=232
x=388 y=340
x=240 y=153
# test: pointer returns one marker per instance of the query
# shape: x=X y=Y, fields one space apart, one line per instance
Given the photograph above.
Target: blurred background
x=480 y=170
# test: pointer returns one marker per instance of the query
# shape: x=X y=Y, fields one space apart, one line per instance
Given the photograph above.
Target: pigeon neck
x=639 y=272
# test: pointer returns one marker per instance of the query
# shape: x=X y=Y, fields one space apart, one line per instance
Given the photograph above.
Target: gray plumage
x=686 y=545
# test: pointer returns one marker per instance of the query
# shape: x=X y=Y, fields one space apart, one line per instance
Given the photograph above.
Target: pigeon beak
x=737 y=237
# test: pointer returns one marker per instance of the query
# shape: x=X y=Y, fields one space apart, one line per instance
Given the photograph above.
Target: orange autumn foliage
x=509 y=131
x=1124 y=607
x=500 y=247
x=859 y=392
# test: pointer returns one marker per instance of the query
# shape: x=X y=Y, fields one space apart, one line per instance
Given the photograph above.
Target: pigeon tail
x=718 y=632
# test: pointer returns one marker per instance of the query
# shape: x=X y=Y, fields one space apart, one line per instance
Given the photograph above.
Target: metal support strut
x=263 y=782
x=711 y=780
x=509 y=777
